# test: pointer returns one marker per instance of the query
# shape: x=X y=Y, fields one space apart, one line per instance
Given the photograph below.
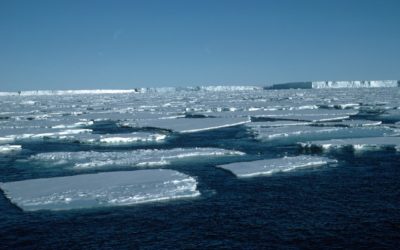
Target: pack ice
x=100 y=190
x=271 y=166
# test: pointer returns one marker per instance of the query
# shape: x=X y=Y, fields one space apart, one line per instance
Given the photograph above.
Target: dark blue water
x=353 y=204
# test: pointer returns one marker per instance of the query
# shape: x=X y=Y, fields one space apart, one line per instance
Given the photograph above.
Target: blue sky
x=90 y=44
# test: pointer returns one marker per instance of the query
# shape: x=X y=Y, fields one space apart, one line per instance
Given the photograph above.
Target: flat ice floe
x=100 y=190
x=190 y=125
x=271 y=166
x=356 y=143
x=136 y=158
x=116 y=139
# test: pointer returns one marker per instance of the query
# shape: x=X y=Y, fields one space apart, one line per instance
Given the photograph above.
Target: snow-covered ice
x=271 y=166
x=136 y=158
x=100 y=190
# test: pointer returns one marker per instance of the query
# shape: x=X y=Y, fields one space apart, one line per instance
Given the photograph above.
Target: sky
x=88 y=44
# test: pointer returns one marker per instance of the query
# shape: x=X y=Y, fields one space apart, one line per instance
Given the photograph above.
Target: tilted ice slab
x=304 y=133
x=5 y=149
x=190 y=125
x=393 y=114
x=137 y=158
x=353 y=123
x=100 y=190
x=276 y=124
x=271 y=166
x=116 y=139
x=356 y=143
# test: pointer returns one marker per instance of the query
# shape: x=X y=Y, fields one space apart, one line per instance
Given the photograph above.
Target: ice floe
x=4 y=149
x=136 y=158
x=304 y=133
x=271 y=166
x=268 y=124
x=353 y=123
x=115 y=139
x=311 y=115
x=356 y=143
x=24 y=134
x=100 y=190
x=189 y=125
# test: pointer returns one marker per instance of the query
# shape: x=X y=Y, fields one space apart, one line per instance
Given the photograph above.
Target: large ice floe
x=189 y=125
x=100 y=190
x=135 y=158
x=356 y=143
x=311 y=115
x=271 y=166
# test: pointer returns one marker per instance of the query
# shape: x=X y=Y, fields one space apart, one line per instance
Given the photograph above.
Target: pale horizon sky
x=126 y=44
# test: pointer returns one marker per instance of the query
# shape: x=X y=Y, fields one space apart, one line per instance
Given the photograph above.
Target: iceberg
x=356 y=143
x=100 y=190
x=220 y=88
x=271 y=166
x=135 y=158
x=355 y=84
x=189 y=125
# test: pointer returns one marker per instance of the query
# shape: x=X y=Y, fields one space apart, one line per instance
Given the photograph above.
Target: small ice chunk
x=271 y=166
x=100 y=190
x=190 y=125
x=138 y=158
x=5 y=149
x=356 y=143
